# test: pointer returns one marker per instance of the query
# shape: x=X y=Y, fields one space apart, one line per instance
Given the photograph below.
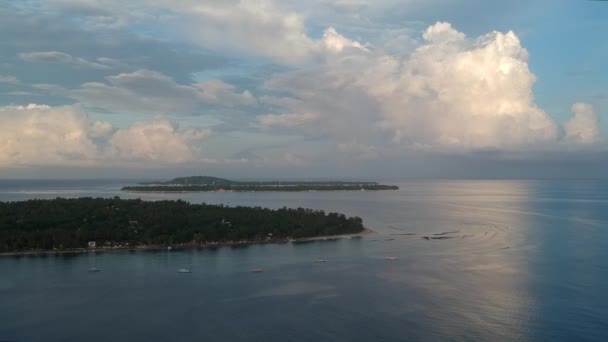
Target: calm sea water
x=525 y=261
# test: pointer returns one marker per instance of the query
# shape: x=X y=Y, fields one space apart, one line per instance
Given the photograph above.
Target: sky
x=352 y=89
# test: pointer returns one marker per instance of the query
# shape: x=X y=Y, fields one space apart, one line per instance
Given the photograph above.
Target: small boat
x=94 y=269
x=320 y=260
x=257 y=270
x=169 y=248
x=390 y=258
x=183 y=270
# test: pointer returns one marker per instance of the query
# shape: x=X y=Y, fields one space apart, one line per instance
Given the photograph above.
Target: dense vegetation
x=206 y=183
x=248 y=187
x=196 y=180
x=208 y=180
x=71 y=223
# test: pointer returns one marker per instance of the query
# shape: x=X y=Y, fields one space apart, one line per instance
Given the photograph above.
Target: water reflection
x=474 y=276
x=517 y=260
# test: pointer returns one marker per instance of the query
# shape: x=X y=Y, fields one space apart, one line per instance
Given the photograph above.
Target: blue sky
x=318 y=88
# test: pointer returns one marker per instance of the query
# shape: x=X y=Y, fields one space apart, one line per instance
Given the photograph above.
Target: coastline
x=210 y=244
x=231 y=190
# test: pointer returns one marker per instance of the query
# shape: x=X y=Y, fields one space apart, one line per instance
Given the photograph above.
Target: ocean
x=475 y=260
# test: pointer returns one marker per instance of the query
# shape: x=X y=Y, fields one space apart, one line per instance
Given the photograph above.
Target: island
x=112 y=223
x=207 y=183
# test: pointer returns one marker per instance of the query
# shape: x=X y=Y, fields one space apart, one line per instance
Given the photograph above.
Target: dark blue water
x=525 y=261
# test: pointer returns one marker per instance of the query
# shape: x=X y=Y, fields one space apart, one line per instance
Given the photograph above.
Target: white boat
x=184 y=270
x=320 y=260
x=94 y=269
x=390 y=258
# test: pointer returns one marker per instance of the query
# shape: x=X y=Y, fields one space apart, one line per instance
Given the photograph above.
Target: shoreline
x=183 y=246
x=224 y=191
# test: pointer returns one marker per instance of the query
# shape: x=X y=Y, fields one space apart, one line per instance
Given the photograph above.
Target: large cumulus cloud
x=475 y=93
x=451 y=93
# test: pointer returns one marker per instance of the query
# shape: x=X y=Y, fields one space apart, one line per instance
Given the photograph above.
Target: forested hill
x=209 y=180
x=71 y=223
x=256 y=187
x=196 y=180
x=207 y=183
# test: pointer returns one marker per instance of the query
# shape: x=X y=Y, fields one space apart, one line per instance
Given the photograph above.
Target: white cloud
x=257 y=26
x=38 y=135
x=474 y=93
x=583 y=126
x=450 y=93
x=100 y=129
x=287 y=120
x=43 y=135
x=8 y=79
x=60 y=57
x=335 y=42
x=218 y=91
x=443 y=32
x=159 y=141
x=262 y=27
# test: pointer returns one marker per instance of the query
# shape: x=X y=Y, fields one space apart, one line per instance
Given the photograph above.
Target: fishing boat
x=320 y=260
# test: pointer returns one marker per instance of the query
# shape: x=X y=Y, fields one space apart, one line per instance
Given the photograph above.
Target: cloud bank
x=40 y=135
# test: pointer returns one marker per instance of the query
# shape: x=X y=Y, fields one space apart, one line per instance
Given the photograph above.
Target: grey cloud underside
x=567 y=166
x=151 y=92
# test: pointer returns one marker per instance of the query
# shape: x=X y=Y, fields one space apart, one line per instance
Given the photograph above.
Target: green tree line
x=70 y=223
x=246 y=187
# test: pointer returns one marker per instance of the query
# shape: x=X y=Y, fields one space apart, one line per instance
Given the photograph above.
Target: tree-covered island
x=66 y=224
x=206 y=183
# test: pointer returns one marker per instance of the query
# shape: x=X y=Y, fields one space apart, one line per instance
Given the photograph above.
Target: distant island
x=207 y=183
x=114 y=223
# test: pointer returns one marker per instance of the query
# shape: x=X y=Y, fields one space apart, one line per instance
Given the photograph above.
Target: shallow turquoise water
x=526 y=261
